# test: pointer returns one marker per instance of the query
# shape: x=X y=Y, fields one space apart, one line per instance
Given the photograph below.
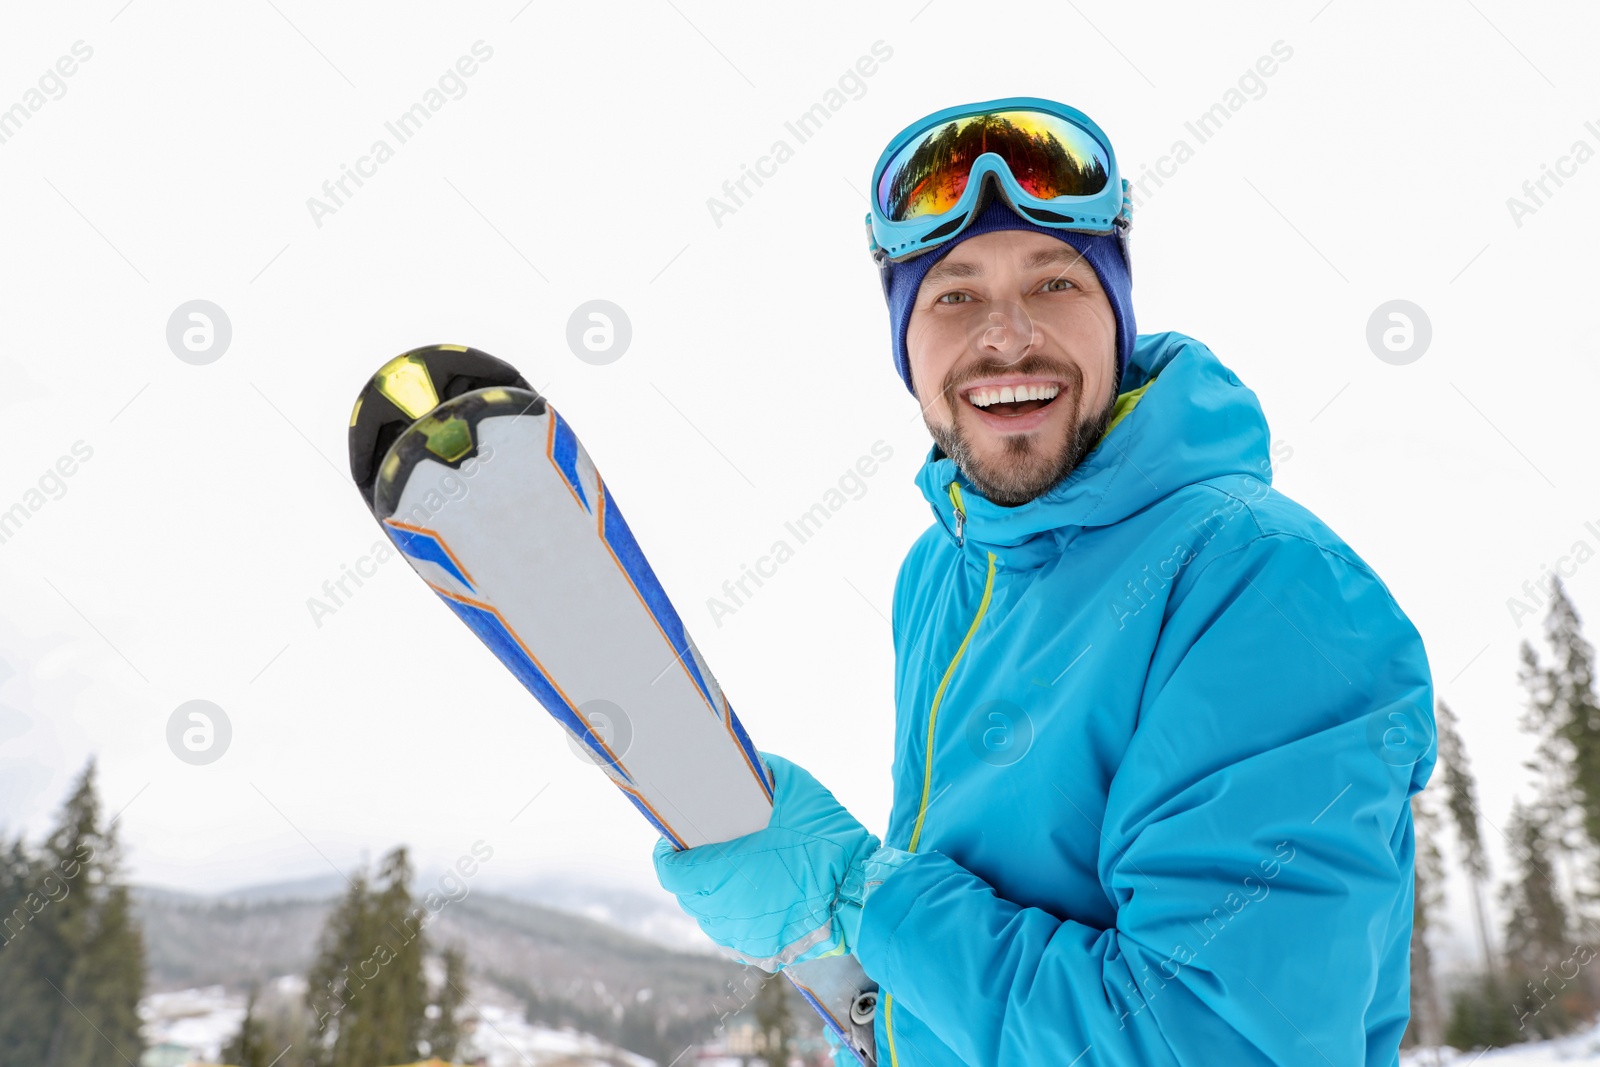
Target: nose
x=1010 y=332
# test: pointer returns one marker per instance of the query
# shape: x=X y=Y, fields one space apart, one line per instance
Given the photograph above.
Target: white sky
x=577 y=166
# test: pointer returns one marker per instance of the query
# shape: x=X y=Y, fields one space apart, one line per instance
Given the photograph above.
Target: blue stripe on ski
x=661 y=827
x=428 y=547
x=564 y=451
x=493 y=632
x=620 y=538
x=749 y=749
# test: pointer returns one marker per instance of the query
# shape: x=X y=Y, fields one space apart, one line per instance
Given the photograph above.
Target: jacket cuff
x=889 y=905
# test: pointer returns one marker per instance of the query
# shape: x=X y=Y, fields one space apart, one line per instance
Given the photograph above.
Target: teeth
x=986 y=395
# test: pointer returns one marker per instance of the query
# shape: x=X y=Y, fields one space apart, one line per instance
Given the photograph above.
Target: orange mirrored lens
x=1048 y=155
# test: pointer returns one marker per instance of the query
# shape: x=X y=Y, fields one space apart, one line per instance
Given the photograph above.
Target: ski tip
x=407 y=389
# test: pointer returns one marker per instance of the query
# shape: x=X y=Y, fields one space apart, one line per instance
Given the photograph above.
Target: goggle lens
x=1049 y=155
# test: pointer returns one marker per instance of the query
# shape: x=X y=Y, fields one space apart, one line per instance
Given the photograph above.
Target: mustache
x=1032 y=365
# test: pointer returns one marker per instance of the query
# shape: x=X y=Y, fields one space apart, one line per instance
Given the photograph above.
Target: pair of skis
x=495 y=503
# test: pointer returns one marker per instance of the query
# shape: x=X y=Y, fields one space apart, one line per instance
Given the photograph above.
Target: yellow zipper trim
x=933 y=715
x=927 y=772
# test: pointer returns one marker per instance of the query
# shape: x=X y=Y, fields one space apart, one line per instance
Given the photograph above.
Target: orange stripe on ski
x=492 y=610
x=550 y=454
x=727 y=719
x=462 y=567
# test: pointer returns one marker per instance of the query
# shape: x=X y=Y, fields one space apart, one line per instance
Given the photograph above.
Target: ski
x=495 y=503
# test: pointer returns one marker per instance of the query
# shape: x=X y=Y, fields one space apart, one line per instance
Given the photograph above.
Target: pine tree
x=367 y=991
x=248 y=1048
x=1461 y=800
x=1570 y=682
x=26 y=1004
x=444 y=1028
x=1426 y=1024
x=89 y=951
x=71 y=957
x=1538 y=927
x=774 y=1020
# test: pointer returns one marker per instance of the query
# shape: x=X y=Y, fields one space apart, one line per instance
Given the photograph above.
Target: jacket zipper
x=933 y=715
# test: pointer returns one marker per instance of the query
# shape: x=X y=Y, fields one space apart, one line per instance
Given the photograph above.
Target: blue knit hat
x=902 y=280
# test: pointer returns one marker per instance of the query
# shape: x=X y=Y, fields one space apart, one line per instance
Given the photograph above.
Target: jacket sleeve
x=1257 y=843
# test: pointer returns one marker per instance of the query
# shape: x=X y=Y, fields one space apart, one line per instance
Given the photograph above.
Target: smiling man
x=1157 y=725
x=1022 y=414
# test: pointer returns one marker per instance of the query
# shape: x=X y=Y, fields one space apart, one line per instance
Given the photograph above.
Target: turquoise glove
x=772 y=896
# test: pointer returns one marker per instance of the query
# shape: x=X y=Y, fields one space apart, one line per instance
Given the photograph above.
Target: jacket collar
x=1185 y=418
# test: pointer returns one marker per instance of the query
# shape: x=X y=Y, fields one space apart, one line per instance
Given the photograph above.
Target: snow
x=198 y=1020
x=194 y=1024
x=1581 y=1047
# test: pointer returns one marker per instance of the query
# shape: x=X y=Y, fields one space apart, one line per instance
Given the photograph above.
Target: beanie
x=902 y=280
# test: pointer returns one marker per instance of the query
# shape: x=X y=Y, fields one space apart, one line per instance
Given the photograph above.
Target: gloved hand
x=773 y=896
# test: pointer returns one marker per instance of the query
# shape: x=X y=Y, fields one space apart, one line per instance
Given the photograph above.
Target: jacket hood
x=1182 y=418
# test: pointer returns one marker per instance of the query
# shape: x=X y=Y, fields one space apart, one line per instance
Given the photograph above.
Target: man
x=1157 y=725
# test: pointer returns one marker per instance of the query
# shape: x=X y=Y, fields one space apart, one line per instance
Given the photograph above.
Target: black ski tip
x=406 y=389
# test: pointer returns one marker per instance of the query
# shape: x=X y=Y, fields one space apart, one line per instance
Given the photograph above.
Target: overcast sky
x=207 y=503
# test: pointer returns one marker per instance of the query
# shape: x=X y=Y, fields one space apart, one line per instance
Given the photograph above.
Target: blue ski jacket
x=1157 y=732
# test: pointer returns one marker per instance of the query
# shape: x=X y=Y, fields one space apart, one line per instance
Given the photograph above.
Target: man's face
x=1004 y=310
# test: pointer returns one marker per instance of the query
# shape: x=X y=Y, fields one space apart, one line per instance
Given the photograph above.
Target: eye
x=946 y=297
x=1063 y=281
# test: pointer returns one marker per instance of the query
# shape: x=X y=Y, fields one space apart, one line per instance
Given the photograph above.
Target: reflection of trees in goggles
x=1048 y=156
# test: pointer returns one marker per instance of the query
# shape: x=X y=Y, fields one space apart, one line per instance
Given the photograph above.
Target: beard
x=1028 y=466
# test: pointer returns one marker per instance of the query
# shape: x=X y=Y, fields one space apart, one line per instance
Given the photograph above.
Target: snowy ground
x=1582 y=1047
x=192 y=1025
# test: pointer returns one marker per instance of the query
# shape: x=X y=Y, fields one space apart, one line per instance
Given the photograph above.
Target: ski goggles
x=1050 y=163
